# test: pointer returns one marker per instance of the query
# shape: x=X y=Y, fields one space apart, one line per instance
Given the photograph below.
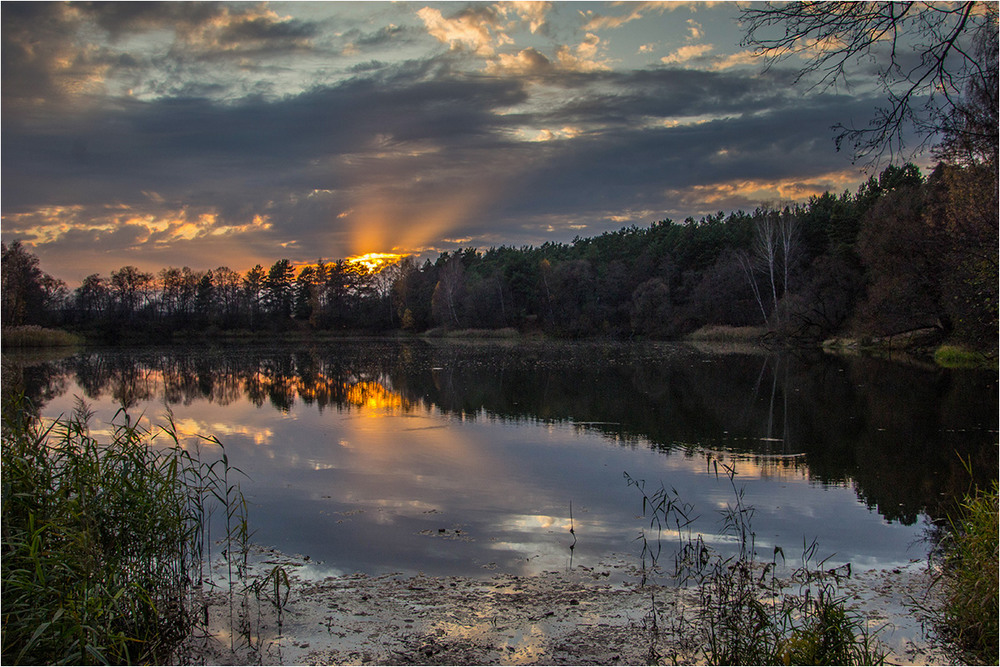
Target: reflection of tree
x=39 y=382
x=894 y=432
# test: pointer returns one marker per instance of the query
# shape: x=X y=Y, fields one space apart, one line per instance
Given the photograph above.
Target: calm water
x=445 y=458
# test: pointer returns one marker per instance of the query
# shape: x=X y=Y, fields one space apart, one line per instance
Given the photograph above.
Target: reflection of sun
x=369 y=394
x=373 y=262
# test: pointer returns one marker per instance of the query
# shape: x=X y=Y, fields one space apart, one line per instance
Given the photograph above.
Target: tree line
x=903 y=252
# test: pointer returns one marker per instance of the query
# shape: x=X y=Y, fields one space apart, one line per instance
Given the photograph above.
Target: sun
x=373 y=262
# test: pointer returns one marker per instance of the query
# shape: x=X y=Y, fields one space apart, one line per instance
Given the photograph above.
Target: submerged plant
x=104 y=544
x=745 y=614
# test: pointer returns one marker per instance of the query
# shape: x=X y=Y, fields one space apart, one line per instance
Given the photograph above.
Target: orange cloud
x=526 y=61
x=686 y=53
x=582 y=58
x=734 y=60
x=466 y=30
x=758 y=190
x=636 y=11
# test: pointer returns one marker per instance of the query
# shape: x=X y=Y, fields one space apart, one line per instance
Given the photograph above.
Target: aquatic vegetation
x=954 y=356
x=35 y=336
x=105 y=545
x=970 y=577
x=746 y=614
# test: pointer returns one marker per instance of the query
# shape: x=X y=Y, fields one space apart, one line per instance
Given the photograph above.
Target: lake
x=475 y=458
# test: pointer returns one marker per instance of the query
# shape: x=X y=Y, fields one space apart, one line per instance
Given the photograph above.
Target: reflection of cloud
x=191 y=426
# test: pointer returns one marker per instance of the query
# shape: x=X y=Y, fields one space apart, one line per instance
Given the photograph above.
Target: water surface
x=465 y=459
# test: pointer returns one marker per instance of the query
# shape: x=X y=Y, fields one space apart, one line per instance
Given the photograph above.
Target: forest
x=905 y=251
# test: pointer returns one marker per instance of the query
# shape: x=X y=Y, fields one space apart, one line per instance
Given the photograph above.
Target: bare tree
x=772 y=252
x=747 y=264
x=447 y=292
x=765 y=249
x=924 y=55
x=788 y=234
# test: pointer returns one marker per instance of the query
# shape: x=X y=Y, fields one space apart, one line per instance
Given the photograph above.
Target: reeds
x=745 y=613
x=36 y=336
x=727 y=334
x=103 y=543
x=970 y=578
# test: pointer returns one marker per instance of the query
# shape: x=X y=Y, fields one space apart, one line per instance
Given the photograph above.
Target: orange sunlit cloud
x=766 y=190
x=383 y=224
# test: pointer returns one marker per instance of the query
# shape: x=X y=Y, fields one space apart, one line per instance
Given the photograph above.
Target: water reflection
x=409 y=433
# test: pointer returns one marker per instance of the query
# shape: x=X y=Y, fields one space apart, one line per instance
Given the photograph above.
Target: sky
x=206 y=135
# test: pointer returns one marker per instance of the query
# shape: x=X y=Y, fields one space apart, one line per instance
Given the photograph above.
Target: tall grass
x=104 y=544
x=36 y=336
x=745 y=613
x=970 y=578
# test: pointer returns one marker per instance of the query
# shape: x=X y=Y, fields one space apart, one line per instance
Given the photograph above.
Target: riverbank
x=33 y=336
x=581 y=616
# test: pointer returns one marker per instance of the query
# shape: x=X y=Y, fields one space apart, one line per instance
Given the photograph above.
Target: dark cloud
x=378 y=38
x=398 y=145
x=265 y=157
x=126 y=18
x=259 y=29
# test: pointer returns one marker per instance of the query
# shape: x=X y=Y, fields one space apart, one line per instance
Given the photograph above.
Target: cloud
x=582 y=58
x=471 y=29
x=218 y=159
x=741 y=59
x=42 y=60
x=686 y=53
x=527 y=61
x=204 y=28
x=534 y=13
x=694 y=30
x=636 y=11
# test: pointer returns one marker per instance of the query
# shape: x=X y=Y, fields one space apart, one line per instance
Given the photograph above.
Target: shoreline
x=597 y=615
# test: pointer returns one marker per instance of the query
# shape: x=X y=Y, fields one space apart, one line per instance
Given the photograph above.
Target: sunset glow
x=241 y=135
x=374 y=262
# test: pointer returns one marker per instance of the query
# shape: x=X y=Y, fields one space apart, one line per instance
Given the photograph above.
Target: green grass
x=36 y=336
x=954 y=356
x=104 y=544
x=970 y=578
